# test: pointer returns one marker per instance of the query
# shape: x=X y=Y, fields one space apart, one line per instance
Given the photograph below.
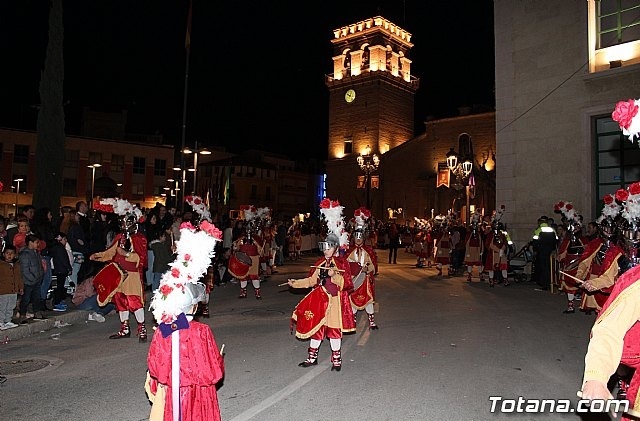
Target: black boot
x=124 y=331
x=336 y=360
x=372 y=322
x=142 y=332
x=312 y=359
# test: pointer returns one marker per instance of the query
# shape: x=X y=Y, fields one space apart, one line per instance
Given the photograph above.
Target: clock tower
x=371 y=97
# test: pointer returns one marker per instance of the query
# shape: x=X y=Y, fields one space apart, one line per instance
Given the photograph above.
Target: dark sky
x=257 y=69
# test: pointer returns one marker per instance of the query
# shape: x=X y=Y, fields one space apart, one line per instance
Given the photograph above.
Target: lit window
x=617 y=22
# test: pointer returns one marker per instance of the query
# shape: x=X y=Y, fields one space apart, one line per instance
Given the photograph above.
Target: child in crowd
x=32 y=276
x=10 y=286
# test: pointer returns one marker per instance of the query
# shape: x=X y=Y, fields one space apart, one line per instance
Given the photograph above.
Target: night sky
x=131 y=55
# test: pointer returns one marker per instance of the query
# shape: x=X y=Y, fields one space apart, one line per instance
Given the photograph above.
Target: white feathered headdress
x=194 y=251
x=332 y=213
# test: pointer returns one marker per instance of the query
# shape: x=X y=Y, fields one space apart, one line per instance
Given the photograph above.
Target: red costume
x=364 y=289
x=129 y=293
x=201 y=368
x=615 y=336
x=313 y=316
x=443 y=246
x=600 y=271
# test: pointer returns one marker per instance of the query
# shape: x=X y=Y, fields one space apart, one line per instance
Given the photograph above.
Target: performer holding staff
x=326 y=311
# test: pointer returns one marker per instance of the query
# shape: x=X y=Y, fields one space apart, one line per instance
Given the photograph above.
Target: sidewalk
x=36 y=326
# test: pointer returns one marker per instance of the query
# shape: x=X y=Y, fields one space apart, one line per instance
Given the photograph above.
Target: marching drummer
x=363 y=263
x=121 y=280
x=325 y=312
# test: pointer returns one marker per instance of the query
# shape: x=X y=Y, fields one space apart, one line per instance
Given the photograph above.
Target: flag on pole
x=187 y=38
x=443 y=177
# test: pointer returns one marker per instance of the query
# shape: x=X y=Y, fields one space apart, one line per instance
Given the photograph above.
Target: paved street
x=443 y=348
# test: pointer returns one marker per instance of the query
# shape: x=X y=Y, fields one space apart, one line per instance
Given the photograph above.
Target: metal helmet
x=129 y=223
x=360 y=233
x=332 y=240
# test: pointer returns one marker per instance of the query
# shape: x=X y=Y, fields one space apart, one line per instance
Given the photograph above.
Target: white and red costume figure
x=606 y=265
x=326 y=311
x=252 y=245
x=569 y=252
x=497 y=253
x=198 y=205
x=122 y=281
x=184 y=362
x=474 y=247
x=442 y=245
x=363 y=263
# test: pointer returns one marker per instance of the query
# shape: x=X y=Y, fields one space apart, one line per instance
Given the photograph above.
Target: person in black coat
x=61 y=269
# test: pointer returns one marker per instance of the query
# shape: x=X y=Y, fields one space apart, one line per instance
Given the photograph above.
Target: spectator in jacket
x=61 y=269
x=162 y=257
x=32 y=275
x=10 y=287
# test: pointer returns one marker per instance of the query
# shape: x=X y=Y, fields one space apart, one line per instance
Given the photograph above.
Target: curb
x=38 y=326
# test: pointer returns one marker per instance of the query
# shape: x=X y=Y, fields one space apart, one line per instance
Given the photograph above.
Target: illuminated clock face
x=350 y=95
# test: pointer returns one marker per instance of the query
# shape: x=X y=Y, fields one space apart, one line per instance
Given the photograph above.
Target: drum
x=357 y=274
x=107 y=281
x=239 y=265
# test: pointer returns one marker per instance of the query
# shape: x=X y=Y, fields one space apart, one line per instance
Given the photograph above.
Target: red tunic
x=365 y=293
x=631 y=342
x=443 y=245
x=495 y=261
x=473 y=249
x=201 y=368
x=312 y=312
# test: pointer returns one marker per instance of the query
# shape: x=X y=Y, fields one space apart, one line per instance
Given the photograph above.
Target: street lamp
x=368 y=163
x=93 y=178
x=195 y=151
x=461 y=170
x=17 y=180
x=184 y=181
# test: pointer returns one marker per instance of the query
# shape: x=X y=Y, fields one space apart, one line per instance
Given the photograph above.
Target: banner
x=443 y=177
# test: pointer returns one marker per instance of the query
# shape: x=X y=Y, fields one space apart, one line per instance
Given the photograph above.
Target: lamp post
x=195 y=151
x=368 y=163
x=461 y=170
x=93 y=179
x=17 y=180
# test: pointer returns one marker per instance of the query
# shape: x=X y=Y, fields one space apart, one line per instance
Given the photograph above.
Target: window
x=138 y=165
x=617 y=22
x=160 y=167
x=69 y=186
x=268 y=193
x=254 y=191
x=71 y=158
x=117 y=163
x=348 y=145
x=21 y=154
x=617 y=159
x=137 y=189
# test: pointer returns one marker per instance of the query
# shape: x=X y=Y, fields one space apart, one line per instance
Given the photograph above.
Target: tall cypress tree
x=51 y=137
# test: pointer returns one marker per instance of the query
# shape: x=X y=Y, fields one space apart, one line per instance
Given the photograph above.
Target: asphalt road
x=444 y=347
